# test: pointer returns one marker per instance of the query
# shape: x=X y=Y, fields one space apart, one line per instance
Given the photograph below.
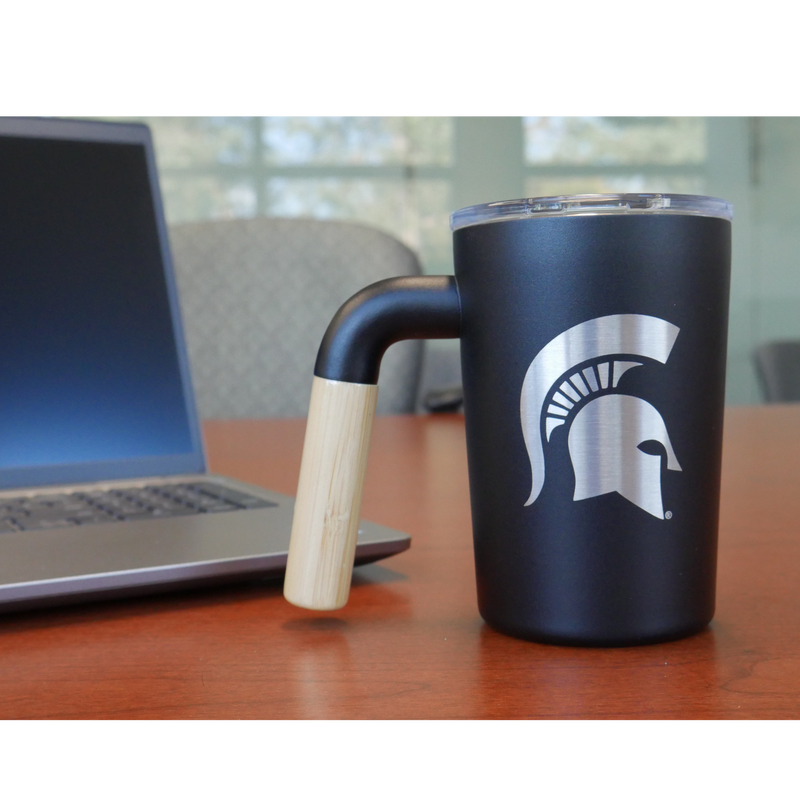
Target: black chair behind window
x=778 y=369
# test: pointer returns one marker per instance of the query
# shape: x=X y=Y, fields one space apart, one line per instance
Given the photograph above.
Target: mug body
x=593 y=346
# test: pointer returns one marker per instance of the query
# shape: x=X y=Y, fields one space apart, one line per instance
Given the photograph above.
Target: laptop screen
x=93 y=376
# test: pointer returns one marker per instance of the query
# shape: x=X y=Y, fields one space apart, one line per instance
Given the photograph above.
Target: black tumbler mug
x=593 y=345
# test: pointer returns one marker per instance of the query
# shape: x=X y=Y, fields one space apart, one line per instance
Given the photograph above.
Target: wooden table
x=411 y=644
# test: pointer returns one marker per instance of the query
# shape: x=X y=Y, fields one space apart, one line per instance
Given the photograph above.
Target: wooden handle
x=328 y=506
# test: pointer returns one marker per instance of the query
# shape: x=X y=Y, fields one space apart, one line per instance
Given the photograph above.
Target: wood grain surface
x=410 y=643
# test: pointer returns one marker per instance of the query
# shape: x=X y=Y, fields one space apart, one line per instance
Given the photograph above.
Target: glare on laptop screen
x=89 y=369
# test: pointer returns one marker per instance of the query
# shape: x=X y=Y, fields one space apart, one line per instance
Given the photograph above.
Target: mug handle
x=343 y=397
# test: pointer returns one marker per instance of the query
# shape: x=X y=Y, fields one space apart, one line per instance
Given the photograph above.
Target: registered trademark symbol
x=668 y=515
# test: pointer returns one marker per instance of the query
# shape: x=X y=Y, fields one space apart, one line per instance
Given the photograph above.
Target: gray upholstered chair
x=257 y=296
x=778 y=369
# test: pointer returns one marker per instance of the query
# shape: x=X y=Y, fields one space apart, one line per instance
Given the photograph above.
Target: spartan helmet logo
x=606 y=427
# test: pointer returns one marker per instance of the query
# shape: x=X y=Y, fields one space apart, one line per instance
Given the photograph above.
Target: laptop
x=104 y=489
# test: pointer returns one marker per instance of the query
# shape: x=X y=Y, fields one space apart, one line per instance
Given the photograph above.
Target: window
x=578 y=155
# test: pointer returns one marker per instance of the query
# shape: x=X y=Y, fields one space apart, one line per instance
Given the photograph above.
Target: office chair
x=256 y=297
x=778 y=369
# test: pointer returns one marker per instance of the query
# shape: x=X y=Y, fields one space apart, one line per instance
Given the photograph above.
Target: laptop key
x=203 y=502
x=240 y=499
x=169 y=507
x=87 y=516
x=50 y=499
x=121 y=509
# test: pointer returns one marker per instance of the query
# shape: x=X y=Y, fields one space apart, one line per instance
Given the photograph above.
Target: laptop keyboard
x=39 y=512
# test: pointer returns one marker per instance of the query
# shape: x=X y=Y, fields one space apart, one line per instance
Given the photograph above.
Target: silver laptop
x=103 y=482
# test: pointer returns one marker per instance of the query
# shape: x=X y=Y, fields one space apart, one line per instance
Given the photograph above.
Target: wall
x=755 y=163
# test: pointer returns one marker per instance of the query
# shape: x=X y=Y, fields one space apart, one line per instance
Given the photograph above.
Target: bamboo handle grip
x=328 y=505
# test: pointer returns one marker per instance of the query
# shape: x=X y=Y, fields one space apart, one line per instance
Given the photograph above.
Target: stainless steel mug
x=593 y=344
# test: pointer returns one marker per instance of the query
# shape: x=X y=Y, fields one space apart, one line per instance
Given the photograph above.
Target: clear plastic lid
x=585 y=204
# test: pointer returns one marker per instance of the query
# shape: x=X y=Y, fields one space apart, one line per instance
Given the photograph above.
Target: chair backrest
x=256 y=297
x=778 y=368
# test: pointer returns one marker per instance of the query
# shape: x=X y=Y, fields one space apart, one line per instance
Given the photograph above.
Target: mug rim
x=592 y=205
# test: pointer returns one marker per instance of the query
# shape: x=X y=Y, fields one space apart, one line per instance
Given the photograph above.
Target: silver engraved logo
x=606 y=427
